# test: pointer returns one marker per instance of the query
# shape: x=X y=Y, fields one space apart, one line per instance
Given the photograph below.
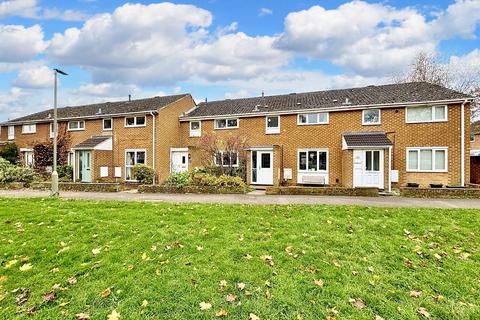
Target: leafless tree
x=460 y=77
x=225 y=153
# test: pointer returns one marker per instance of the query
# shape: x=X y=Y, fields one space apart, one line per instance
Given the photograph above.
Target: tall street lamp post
x=54 y=191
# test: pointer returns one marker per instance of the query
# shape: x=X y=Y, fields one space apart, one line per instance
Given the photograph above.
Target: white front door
x=262 y=167
x=179 y=161
x=368 y=168
x=85 y=166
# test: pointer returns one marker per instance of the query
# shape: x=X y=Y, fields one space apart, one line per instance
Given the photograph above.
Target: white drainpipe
x=462 y=141
x=153 y=143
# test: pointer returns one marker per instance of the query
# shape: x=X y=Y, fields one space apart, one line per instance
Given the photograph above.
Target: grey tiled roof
x=106 y=108
x=371 y=95
x=366 y=139
x=92 y=142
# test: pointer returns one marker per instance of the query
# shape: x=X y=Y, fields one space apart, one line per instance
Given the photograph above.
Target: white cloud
x=19 y=43
x=106 y=90
x=161 y=44
x=460 y=19
x=265 y=12
x=242 y=93
x=23 y=8
x=34 y=76
x=67 y=15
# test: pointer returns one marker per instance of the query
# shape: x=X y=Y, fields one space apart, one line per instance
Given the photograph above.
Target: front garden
x=90 y=260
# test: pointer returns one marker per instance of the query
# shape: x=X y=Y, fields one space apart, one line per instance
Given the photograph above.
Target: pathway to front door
x=368 y=168
x=262 y=167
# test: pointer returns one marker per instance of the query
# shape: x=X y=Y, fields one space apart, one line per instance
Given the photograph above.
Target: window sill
x=136 y=126
x=225 y=128
x=427 y=171
x=29 y=132
x=75 y=129
x=372 y=124
x=312 y=124
x=431 y=121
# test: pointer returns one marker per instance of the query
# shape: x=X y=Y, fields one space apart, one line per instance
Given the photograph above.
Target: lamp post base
x=54 y=191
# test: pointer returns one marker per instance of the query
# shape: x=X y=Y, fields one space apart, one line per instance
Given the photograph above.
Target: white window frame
x=71 y=158
x=31 y=126
x=103 y=124
x=11 y=132
x=131 y=166
x=224 y=165
x=51 y=134
x=226 y=124
x=308 y=150
x=372 y=123
x=197 y=132
x=433 y=149
x=135 y=120
x=312 y=124
x=78 y=123
x=272 y=130
x=432 y=110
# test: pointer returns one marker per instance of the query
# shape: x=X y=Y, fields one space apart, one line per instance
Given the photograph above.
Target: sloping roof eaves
x=107 y=109
x=383 y=95
x=91 y=142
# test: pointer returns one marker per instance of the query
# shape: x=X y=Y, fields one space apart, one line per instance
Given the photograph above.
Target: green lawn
x=162 y=261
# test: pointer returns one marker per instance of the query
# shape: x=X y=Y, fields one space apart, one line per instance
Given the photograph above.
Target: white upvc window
x=133 y=157
x=11 y=132
x=312 y=118
x=28 y=158
x=76 y=125
x=426 y=114
x=195 y=128
x=229 y=123
x=371 y=117
x=427 y=159
x=29 y=128
x=138 y=121
x=52 y=133
x=312 y=160
x=71 y=158
x=226 y=159
x=107 y=124
x=272 y=124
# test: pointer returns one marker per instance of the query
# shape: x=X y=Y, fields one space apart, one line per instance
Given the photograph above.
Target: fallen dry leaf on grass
x=231 y=297
x=438 y=298
x=114 y=315
x=241 y=285
x=318 y=282
x=205 y=306
x=82 y=316
x=415 y=294
x=221 y=313
x=268 y=260
x=247 y=256
x=72 y=280
x=96 y=251
x=23 y=297
x=222 y=285
x=253 y=316
x=144 y=303
x=3 y=279
x=26 y=267
x=377 y=317
x=63 y=250
x=358 y=303
x=409 y=263
x=105 y=293
x=423 y=312
x=55 y=270
x=10 y=263
x=49 y=296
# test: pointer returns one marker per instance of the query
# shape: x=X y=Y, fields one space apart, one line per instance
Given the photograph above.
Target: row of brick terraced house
x=376 y=136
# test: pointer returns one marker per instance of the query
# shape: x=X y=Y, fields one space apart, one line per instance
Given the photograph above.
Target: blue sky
x=219 y=48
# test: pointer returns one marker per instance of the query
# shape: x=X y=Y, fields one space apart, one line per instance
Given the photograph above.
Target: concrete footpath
x=256 y=197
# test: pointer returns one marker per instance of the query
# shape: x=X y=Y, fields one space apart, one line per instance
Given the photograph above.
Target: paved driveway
x=256 y=198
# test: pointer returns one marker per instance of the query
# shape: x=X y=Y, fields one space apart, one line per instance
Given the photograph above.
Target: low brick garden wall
x=323 y=191
x=189 y=189
x=452 y=193
x=83 y=187
x=12 y=186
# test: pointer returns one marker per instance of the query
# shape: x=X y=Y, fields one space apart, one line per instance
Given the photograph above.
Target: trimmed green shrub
x=143 y=173
x=13 y=173
x=65 y=173
x=180 y=179
x=10 y=153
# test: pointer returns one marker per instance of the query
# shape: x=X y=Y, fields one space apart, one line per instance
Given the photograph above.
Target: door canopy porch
x=362 y=140
x=96 y=143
